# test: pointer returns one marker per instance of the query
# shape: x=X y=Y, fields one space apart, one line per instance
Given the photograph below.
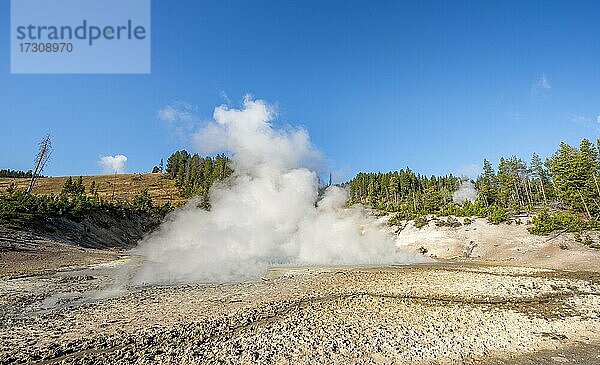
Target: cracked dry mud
x=438 y=313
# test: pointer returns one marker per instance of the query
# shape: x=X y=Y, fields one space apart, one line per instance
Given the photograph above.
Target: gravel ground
x=441 y=313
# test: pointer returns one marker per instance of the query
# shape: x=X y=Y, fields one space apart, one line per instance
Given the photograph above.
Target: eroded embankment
x=441 y=313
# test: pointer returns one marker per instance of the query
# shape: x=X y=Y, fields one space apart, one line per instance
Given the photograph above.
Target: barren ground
x=504 y=301
x=506 y=244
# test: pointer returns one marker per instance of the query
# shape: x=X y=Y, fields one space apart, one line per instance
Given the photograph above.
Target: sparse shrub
x=496 y=215
x=142 y=201
x=518 y=221
x=395 y=220
x=545 y=223
x=11 y=188
x=588 y=240
x=449 y=222
x=467 y=221
x=452 y=222
x=399 y=217
x=467 y=209
x=420 y=221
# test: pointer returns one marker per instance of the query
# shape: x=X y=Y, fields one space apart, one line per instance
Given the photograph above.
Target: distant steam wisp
x=466 y=192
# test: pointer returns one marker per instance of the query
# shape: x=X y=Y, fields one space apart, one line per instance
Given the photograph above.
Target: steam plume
x=466 y=191
x=266 y=214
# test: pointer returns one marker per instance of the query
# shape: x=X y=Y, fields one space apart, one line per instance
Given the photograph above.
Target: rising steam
x=466 y=192
x=267 y=213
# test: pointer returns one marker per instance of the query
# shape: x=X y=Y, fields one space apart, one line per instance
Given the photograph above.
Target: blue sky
x=380 y=85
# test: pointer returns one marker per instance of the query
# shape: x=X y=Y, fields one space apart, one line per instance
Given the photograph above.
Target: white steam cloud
x=466 y=191
x=267 y=213
x=113 y=164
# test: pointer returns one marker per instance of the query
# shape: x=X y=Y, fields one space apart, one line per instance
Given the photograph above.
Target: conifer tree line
x=403 y=191
x=15 y=173
x=567 y=181
x=193 y=174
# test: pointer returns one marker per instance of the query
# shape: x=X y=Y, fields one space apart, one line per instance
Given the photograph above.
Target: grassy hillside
x=123 y=186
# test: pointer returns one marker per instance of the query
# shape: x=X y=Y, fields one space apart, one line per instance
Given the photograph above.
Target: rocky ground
x=496 y=295
x=439 y=313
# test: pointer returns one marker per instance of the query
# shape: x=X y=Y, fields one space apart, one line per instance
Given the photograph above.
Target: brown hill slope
x=118 y=187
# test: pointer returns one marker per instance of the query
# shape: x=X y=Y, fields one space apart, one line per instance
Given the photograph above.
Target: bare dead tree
x=42 y=157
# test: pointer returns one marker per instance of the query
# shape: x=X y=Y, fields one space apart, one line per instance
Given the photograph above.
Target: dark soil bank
x=33 y=244
x=96 y=230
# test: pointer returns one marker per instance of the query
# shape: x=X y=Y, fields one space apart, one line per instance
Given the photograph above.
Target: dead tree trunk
x=519 y=200
x=596 y=182
x=585 y=205
x=45 y=149
x=543 y=192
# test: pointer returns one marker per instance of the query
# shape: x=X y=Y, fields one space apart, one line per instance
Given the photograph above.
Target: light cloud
x=113 y=164
x=181 y=119
x=544 y=83
x=515 y=115
x=587 y=122
x=225 y=97
x=541 y=86
x=177 y=112
x=580 y=119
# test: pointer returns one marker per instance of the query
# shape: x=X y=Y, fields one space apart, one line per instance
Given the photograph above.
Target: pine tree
x=569 y=176
x=78 y=187
x=393 y=187
x=67 y=186
x=487 y=184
